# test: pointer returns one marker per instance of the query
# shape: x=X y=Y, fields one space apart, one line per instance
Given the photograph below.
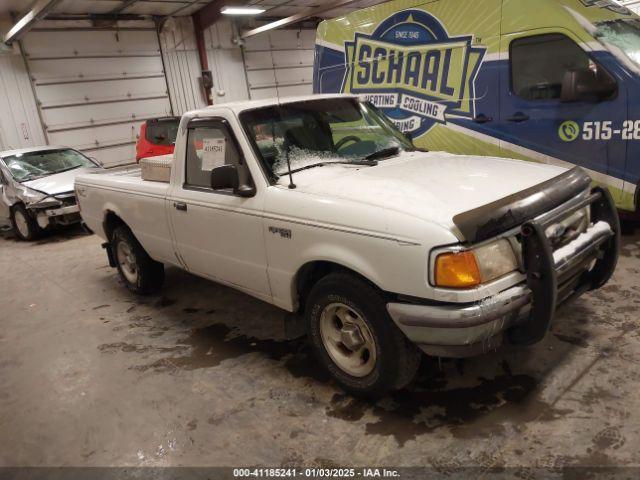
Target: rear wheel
x=24 y=225
x=355 y=339
x=139 y=272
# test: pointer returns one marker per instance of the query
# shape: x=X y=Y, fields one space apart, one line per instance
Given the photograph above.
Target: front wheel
x=24 y=225
x=139 y=272
x=356 y=340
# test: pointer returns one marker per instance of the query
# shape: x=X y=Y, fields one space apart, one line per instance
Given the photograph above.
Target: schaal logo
x=414 y=71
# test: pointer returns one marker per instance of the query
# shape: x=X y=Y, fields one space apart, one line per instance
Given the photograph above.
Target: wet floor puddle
x=467 y=405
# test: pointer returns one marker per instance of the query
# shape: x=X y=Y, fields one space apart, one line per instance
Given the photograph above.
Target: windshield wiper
x=67 y=169
x=28 y=178
x=366 y=163
x=416 y=149
x=384 y=153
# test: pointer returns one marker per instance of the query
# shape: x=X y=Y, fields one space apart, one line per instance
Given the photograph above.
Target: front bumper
x=524 y=311
x=67 y=215
x=59 y=212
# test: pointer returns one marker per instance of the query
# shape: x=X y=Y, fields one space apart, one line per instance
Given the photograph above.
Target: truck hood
x=57 y=183
x=432 y=186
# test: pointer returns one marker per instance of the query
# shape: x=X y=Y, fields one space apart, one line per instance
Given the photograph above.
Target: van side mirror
x=409 y=136
x=227 y=177
x=587 y=85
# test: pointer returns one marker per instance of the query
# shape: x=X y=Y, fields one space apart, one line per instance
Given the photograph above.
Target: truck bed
x=140 y=204
x=128 y=180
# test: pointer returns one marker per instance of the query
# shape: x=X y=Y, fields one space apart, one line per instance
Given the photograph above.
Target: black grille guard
x=552 y=283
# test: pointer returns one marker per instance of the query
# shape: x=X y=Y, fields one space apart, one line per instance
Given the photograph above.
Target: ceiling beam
x=38 y=11
x=125 y=4
x=303 y=15
x=208 y=15
x=183 y=7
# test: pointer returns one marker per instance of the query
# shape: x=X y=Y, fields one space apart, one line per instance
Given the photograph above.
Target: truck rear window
x=162 y=131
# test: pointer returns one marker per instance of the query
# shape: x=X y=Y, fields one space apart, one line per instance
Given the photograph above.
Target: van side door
x=560 y=105
x=218 y=234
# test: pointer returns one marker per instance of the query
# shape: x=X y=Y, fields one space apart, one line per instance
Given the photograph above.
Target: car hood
x=57 y=183
x=432 y=186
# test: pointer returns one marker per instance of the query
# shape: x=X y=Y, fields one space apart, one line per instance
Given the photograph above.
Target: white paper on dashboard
x=213 y=153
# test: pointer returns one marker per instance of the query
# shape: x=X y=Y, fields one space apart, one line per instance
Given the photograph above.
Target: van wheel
x=139 y=272
x=23 y=223
x=355 y=339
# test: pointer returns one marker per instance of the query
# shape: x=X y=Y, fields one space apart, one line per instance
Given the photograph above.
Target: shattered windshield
x=621 y=36
x=303 y=134
x=32 y=165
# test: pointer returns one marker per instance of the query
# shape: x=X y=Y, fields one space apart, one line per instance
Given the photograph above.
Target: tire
x=139 y=272
x=24 y=225
x=376 y=357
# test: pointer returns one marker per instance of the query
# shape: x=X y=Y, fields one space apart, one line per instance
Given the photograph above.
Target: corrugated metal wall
x=94 y=87
x=19 y=123
x=225 y=62
x=183 y=66
x=278 y=63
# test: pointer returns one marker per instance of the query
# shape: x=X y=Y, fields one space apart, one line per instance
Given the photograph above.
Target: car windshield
x=163 y=131
x=32 y=165
x=621 y=36
x=340 y=130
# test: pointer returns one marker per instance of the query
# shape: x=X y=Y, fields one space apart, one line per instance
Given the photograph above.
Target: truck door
x=560 y=106
x=218 y=234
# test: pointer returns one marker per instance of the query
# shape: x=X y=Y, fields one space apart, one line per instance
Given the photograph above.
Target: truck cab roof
x=242 y=106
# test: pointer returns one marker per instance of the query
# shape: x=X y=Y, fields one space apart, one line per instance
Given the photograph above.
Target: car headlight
x=470 y=268
x=35 y=199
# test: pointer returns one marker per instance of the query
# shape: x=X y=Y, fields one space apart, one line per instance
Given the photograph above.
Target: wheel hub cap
x=127 y=261
x=351 y=337
x=348 y=340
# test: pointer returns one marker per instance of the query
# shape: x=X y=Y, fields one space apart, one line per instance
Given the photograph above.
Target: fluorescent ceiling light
x=241 y=11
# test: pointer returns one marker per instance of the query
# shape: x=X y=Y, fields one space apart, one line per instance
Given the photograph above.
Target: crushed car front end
x=542 y=247
x=53 y=210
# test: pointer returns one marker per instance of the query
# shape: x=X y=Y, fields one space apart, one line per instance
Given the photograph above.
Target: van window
x=539 y=65
x=621 y=36
x=209 y=147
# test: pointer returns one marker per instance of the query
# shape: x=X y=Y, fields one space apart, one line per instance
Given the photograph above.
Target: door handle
x=518 y=117
x=180 y=206
x=482 y=118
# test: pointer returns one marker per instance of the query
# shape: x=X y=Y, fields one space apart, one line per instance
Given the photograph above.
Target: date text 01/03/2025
x=315 y=473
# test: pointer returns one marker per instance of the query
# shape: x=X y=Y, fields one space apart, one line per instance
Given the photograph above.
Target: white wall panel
x=61 y=93
x=182 y=65
x=226 y=64
x=93 y=68
x=99 y=136
x=94 y=87
x=280 y=63
x=19 y=122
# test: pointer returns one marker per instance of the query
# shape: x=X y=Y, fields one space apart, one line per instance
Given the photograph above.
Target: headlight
x=35 y=199
x=469 y=268
x=46 y=203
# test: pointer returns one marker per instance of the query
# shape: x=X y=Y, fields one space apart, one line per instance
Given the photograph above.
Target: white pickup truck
x=322 y=207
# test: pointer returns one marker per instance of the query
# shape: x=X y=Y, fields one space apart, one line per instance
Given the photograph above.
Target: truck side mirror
x=587 y=85
x=227 y=177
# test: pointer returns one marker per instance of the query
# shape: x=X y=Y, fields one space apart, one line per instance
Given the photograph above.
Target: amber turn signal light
x=457 y=270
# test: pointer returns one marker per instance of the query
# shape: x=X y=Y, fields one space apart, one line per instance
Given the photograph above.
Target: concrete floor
x=91 y=375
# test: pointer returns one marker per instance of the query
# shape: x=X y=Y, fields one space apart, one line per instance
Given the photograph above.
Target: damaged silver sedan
x=37 y=188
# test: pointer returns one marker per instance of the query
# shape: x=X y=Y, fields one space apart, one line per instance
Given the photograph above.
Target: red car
x=157 y=137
